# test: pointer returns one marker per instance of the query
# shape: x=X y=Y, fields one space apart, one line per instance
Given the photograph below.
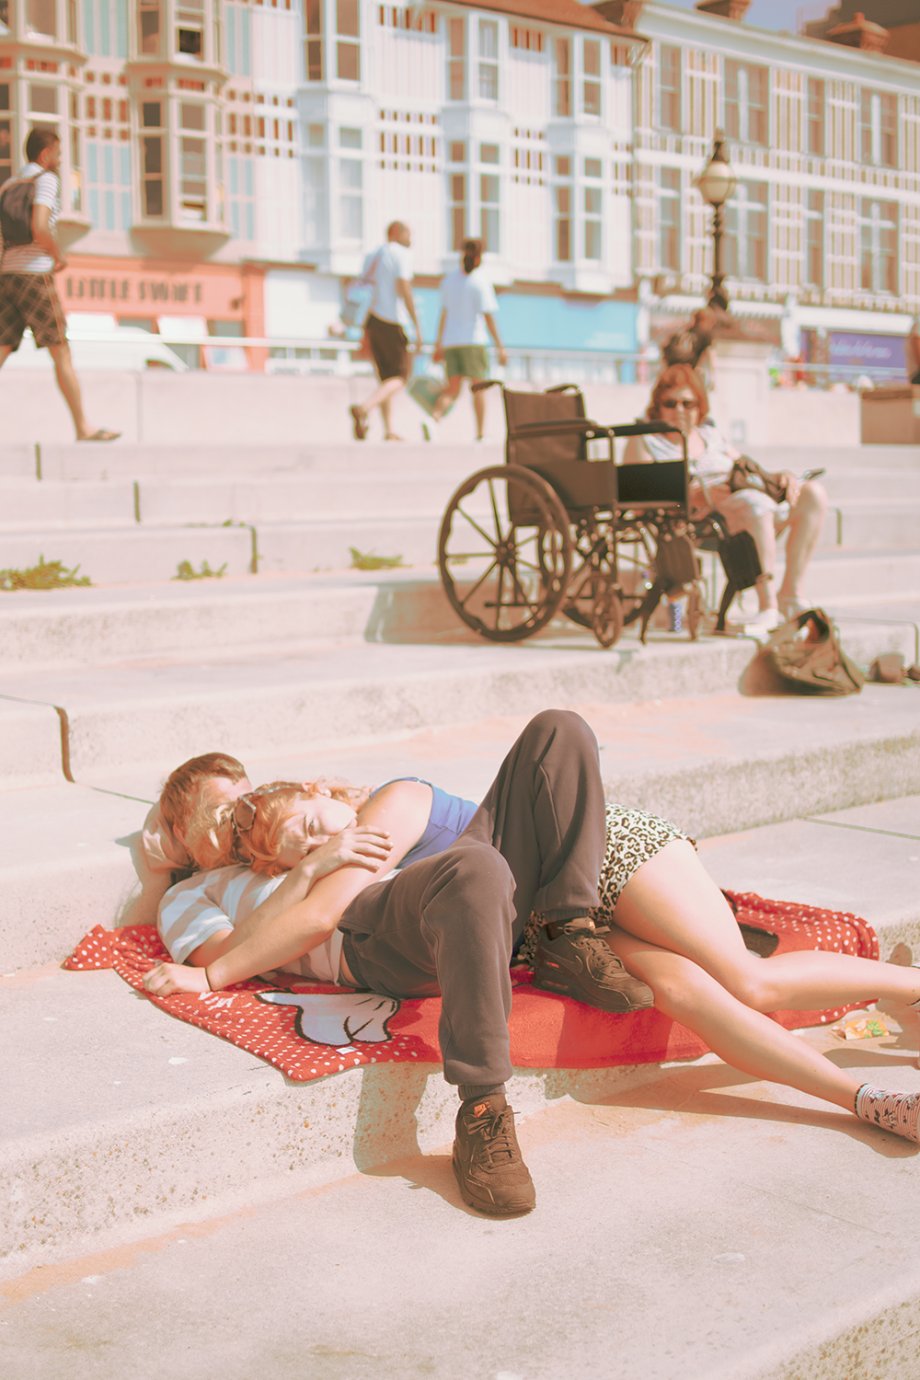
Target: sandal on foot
x=358 y=422
x=101 y=435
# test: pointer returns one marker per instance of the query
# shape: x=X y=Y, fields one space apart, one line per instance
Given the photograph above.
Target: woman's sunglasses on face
x=671 y=404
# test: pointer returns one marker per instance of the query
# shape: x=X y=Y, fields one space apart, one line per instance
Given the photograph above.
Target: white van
x=98 y=342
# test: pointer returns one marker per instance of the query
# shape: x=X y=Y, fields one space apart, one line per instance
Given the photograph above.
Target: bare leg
x=449 y=395
x=805 y=522
x=672 y=902
x=765 y=539
x=380 y=397
x=746 y=1039
x=479 y=410
x=385 y=394
x=70 y=387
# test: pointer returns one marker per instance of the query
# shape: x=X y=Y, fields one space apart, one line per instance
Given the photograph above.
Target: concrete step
x=316 y=498
x=129 y=460
x=131 y=554
x=853 y=520
x=883 y=523
x=18 y=461
x=70 y=852
x=30 y=743
x=107 y=1140
x=160 y=711
x=113 y=555
x=839 y=572
x=865 y=483
x=871 y=458
x=111 y=623
x=714 y=1188
x=25 y=503
x=713 y=763
x=96 y=625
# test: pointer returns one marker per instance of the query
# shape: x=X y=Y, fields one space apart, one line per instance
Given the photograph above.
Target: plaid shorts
x=30 y=299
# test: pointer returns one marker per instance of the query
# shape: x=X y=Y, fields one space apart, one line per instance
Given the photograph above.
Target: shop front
x=181 y=304
x=601 y=330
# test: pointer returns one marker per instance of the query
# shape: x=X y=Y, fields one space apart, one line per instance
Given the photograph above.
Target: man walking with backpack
x=29 y=207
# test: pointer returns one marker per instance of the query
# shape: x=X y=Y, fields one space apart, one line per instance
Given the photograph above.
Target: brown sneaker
x=574 y=959
x=487 y=1159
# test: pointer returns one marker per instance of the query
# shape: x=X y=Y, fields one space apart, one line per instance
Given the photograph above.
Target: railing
x=790 y=374
x=328 y=355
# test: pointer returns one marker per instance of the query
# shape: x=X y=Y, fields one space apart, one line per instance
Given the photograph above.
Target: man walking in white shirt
x=28 y=296
x=392 y=307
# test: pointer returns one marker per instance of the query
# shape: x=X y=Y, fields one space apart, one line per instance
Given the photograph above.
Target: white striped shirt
x=208 y=903
x=29 y=258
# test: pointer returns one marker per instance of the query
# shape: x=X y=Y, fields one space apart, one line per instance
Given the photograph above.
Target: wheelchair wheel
x=606 y=611
x=593 y=599
x=505 y=553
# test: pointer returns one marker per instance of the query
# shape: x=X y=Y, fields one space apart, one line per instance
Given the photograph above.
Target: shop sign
x=863 y=351
x=131 y=291
x=148 y=293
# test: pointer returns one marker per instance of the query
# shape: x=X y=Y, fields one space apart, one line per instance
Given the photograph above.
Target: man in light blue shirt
x=392 y=308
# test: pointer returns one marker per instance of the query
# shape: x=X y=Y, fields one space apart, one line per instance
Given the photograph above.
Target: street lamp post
x=716 y=183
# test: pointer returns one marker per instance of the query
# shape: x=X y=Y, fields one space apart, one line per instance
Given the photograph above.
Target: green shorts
x=466 y=361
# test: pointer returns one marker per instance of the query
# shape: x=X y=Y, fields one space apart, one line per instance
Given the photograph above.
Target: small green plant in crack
x=186 y=571
x=369 y=560
x=44 y=575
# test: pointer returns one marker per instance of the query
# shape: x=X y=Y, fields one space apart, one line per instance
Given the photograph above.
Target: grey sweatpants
x=449 y=923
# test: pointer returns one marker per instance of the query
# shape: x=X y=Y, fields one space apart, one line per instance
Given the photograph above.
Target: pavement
x=175 y=1205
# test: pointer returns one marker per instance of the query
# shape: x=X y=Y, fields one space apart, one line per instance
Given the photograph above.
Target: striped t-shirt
x=208 y=903
x=29 y=258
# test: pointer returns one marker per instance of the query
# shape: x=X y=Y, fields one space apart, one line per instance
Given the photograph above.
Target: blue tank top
x=450 y=814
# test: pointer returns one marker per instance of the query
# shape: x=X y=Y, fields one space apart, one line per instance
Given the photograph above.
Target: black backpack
x=17 y=197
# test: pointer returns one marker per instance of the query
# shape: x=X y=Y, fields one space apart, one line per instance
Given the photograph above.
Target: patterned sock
x=893 y=1111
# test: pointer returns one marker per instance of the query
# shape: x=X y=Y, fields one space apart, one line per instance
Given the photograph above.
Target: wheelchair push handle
x=644 y=429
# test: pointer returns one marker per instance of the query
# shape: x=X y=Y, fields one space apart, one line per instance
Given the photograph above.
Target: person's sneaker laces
x=575 y=960
x=487 y=1161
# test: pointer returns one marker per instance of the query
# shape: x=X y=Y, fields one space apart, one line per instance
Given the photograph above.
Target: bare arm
x=438 y=350
x=278 y=932
x=358 y=847
x=636 y=452
x=405 y=292
x=42 y=236
x=489 y=319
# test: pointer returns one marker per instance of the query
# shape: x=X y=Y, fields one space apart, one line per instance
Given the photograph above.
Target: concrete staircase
x=301 y=666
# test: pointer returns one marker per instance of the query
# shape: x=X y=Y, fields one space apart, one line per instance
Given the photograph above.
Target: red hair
x=673 y=377
x=260 y=844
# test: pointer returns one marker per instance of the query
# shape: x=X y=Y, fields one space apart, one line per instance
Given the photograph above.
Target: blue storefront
x=545 y=321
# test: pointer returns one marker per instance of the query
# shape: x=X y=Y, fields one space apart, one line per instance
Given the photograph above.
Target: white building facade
x=229 y=163
x=823 y=232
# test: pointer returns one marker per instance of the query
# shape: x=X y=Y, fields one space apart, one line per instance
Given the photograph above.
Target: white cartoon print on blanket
x=337 y=1019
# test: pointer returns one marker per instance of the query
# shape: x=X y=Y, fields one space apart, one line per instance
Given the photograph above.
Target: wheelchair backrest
x=524 y=409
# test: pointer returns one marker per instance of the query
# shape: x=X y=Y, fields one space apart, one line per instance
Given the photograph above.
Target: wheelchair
x=561 y=528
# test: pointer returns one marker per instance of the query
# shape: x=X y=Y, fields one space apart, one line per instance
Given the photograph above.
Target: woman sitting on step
x=670 y=928
x=679 y=397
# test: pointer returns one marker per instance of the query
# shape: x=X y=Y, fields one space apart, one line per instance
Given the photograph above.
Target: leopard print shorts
x=633 y=837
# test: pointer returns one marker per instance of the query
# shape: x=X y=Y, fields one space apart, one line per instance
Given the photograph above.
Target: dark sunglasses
x=245 y=807
x=670 y=404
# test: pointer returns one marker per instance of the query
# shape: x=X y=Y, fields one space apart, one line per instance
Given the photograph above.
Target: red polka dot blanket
x=308 y=1031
